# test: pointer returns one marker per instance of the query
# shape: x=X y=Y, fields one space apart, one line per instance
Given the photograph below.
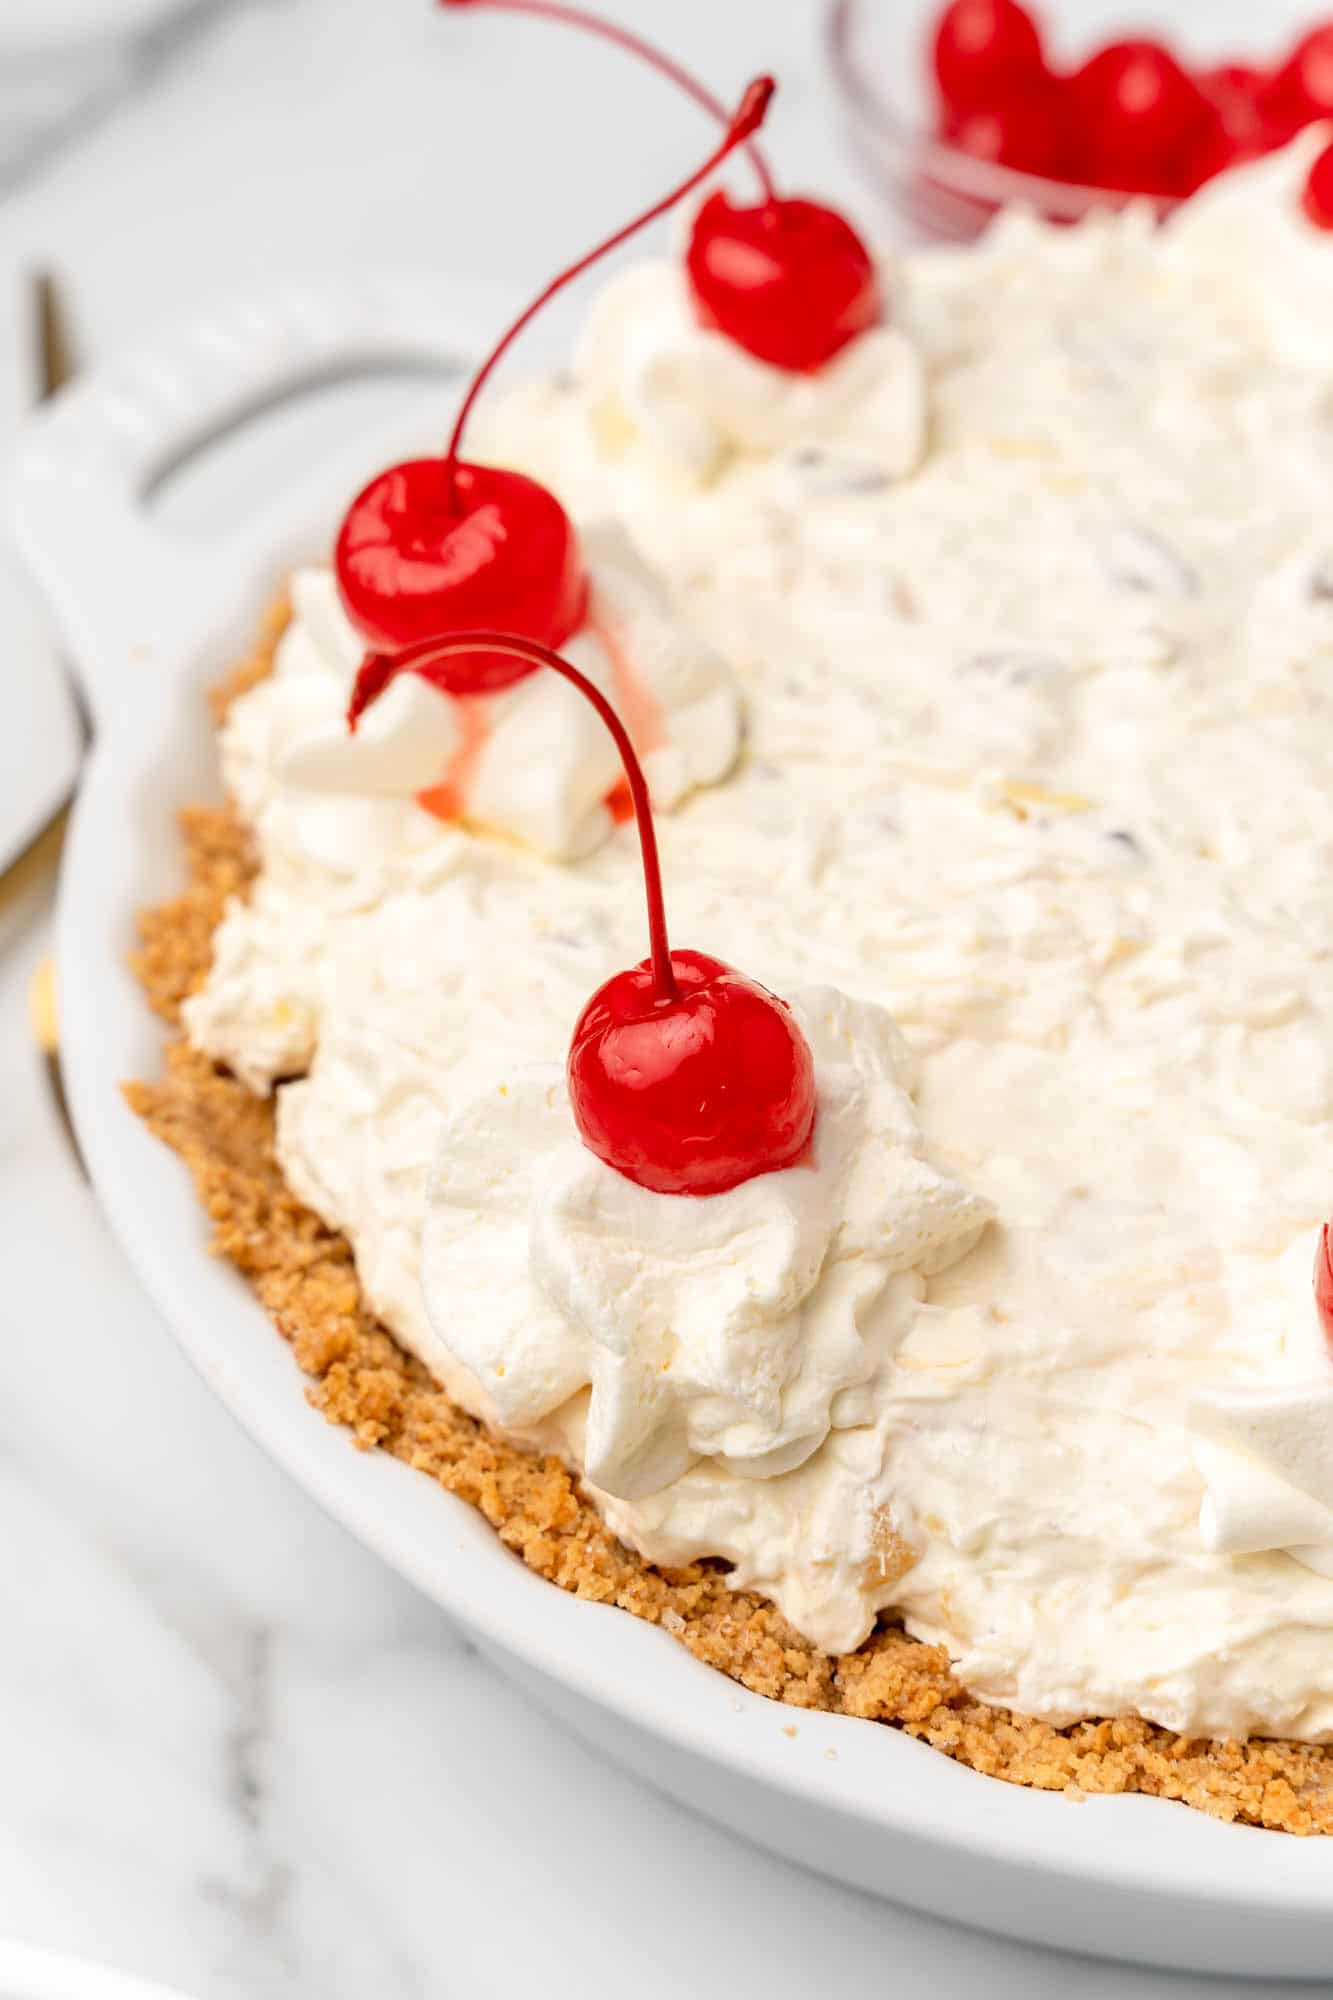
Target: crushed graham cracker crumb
x=359 y=1378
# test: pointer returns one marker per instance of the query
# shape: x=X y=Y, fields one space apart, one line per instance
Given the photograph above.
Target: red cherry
x=1317 y=199
x=984 y=51
x=695 y=1094
x=1303 y=88
x=434 y=547
x=1323 y=1282
x=1243 y=98
x=1142 y=116
x=787 y=279
x=1247 y=123
x=684 y=1075
x=1025 y=131
x=415 y=559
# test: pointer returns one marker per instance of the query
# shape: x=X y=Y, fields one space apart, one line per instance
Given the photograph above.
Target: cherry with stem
x=684 y=1075
x=433 y=546
x=788 y=280
x=746 y=119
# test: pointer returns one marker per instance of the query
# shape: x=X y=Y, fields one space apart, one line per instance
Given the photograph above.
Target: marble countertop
x=236 y=1753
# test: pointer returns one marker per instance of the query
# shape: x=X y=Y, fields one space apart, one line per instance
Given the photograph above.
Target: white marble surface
x=235 y=1752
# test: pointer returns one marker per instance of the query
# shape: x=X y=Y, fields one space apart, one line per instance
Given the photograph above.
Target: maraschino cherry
x=1144 y=118
x=1001 y=102
x=788 y=279
x=1302 y=90
x=435 y=544
x=1323 y=1282
x=1239 y=130
x=684 y=1076
x=438 y=545
x=984 y=53
x=1024 y=130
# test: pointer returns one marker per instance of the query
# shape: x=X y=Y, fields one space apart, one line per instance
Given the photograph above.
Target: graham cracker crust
x=359 y=1378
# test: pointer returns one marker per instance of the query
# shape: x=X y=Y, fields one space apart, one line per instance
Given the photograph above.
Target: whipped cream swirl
x=741 y=1329
x=1264 y=1449
x=1266 y=1457
x=1254 y=221
x=695 y=397
x=532 y=761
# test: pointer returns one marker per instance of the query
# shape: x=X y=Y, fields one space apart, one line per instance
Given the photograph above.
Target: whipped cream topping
x=695 y=398
x=532 y=761
x=657 y=1332
x=1036 y=761
x=1266 y=1456
x=1244 y=225
x=1265 y=1451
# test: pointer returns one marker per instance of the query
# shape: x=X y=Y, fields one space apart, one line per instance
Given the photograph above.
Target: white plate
x=1127 y=1877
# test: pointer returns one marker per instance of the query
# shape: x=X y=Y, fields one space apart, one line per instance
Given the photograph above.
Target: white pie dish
x=1126 y=1877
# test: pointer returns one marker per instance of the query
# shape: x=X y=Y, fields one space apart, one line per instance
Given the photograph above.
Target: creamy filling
x=1037 y=761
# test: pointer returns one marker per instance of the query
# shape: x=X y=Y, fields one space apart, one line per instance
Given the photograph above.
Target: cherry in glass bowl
x=880 y=51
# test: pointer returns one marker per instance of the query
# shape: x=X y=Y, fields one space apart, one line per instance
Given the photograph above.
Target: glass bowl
x=879 y=50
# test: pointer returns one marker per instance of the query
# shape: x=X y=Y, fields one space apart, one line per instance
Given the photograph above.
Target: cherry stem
x=625 y=38
x=378 y=672
x=749 y=116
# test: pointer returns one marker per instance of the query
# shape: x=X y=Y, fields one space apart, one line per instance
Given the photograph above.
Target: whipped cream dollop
x=532 y=761
x=661 y=1331
x=1036 y=761
x=1255 y=221
x=1266 y=1456
x=1265 y=1450
x=695 y=397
